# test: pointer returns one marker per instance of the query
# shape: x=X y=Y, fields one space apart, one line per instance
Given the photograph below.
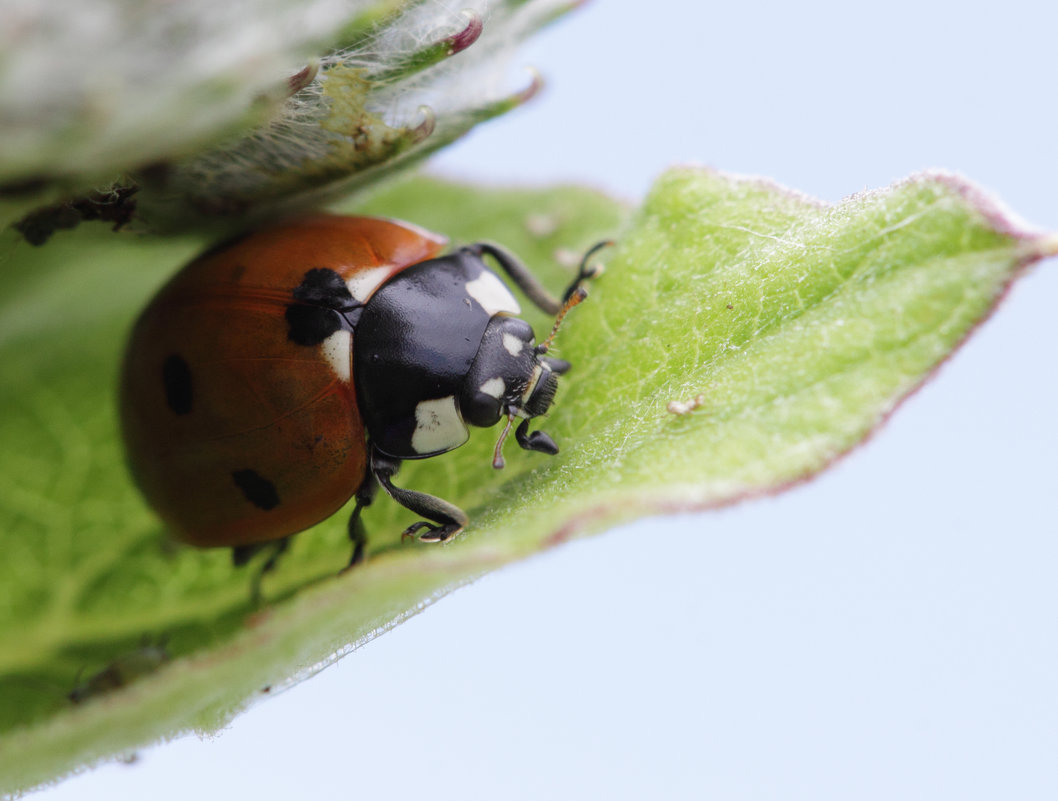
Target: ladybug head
x=511 y=377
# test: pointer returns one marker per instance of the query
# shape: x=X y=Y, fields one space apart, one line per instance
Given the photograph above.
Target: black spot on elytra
x=322 y=305
x=258 y=490
x=310 y=325
x=176 y=378
x=323 y=287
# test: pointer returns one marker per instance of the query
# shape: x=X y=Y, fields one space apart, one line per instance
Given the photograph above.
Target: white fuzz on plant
x=143 y=84
x=92 y=86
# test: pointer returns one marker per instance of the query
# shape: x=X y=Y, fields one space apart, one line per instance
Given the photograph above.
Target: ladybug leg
x=520 y=274
x=357 y=533
x=241 y=554
x=447 y=519
x=586 y=271
x=529 y=284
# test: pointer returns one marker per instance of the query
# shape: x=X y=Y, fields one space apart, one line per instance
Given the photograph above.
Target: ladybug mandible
x=276 y=377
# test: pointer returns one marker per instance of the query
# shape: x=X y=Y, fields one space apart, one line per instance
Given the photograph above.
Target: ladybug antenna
x=576 y=292
x=497 y=454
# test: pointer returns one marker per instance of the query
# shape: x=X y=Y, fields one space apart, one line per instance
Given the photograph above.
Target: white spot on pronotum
x=337 y=350
x=492 y=294
x=438 y=426
x=363 y=284
x=512 y=344
x=494 y=387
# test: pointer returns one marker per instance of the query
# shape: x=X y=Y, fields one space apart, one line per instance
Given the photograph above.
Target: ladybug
x=279 y=375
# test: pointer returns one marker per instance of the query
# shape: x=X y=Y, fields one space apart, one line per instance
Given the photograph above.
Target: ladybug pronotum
x=276 y=377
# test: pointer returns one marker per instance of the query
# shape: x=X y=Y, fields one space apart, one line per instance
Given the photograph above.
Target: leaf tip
x=999 y=216
x=1044 y=246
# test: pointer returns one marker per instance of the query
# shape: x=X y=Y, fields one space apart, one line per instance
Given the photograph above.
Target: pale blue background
x=888 y=631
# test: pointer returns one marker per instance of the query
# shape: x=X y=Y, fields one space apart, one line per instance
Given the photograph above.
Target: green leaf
x=797 y=326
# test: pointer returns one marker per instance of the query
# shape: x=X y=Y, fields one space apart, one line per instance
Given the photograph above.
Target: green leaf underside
x=800 y=325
